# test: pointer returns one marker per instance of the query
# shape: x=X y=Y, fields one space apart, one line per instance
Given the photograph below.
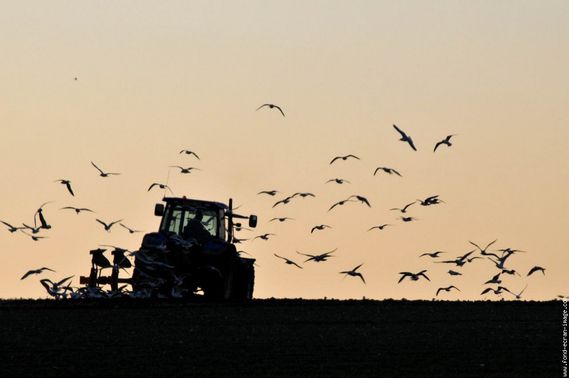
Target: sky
x=157 y=77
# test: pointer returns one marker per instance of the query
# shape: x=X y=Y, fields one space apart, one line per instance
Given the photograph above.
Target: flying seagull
x=161 y=186
x=109 y=225
x=338 y=181
x=518 y=295
x=444 y=141
x=283 y=219
x=303 y=194
x=102 y=173
x=188 y=152
x=11 y=228
x=185 y=170
x=432 y=200
x=361 y=199
x=263 y=237
x=34 y=237
x=269 y=192
x=341 y=203
x=272 y=106
x=432 y=254
x=404 y=208
x=405 y=137
x=77 y=209
x=130 y=230
x=413 y=276
x=386 y=170
x=483 y=250
x=320 y=227
x=39 y=214
x=536 y=269
x=408 y=219
x=318 y=258
x=287 y=261
x=354 y=273
x=283 y=201
x=379 y=227
x=345 y=157
x=447 y=289
x=35 y=271
x=454 y=273
x=67 y=184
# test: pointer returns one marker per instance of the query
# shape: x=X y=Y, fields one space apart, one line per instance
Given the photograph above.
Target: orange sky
x=155 y=78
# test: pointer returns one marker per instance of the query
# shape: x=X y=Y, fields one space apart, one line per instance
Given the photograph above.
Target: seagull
x=447 y=289
x=379 y=227
x=483 y=250
x=130 y=230
x=432 y=254
x=341 y=203
x=283 y=219
x=361 y=199
x=77 y=209
x=34 y=237
x=459 y=261
x=39 y=214
x=432 y=200
x=35 y=271
x=405 y=137
x=269 y=192
x=444 y=141
x=408 y=219
x=303 y=194
x=264 y=236
x=67 y=184
x=454 y=273
x=271 y=106
x=404 y=208
x=34 y=230
x=346 y=157
x=108 y=226
x=494 y=280
x=185 y=170
x=188 y=152
x=283 y=201
x=518 y=295
x=287 y=261
x=497 y=291
x=318 y=258
x=320 y=227
x=54 y=289
x=338 y=181
x=161 y=186
x=12 y=228
x=536 y=269
x=354 y=273
x=510 y=272
x=387 y=170
x=104 y=174
x=413 y=276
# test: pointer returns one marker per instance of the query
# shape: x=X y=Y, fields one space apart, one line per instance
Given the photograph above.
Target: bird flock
x=497 y=261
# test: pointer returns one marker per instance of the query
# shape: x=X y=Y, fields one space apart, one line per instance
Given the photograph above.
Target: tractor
x=191 y=254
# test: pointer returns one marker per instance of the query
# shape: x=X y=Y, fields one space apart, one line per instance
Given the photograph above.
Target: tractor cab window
x=209 y=220
x=178 y=217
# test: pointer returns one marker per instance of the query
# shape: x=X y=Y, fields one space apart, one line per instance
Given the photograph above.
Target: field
x=280 y=338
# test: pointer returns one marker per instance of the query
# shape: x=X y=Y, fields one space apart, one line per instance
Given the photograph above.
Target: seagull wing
x=280 y=110
x=410 y=141
x=403 y=135
x=68 y=185
x=437 y=145
x=98 y=169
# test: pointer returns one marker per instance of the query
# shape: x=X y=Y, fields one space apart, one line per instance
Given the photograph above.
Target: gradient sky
x=156 y=77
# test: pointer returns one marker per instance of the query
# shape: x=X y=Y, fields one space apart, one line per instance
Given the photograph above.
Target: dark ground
x=281 y=338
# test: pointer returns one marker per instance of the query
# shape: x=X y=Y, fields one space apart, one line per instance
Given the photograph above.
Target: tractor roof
x=195 y=203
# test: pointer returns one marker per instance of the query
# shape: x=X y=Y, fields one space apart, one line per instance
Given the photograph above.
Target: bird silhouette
x=287 y=261
x=39 y=215
x=432 y=254
x=447 y=289
x=483 y=251
x=379 y=227
x=361 y=199
x=102 y=173
x=536 y=269
x=303 y=194
x=404 y=208
x=354 y=273
x=35 y=271
x=77 y=209
x=283 y=219
x=413 y=276
x=341 y=203
x=338 y=181
x=387 y=170
x=405 y=138
x=269 y=192
x=344 y=158
x=67 y=184
x=408 y=219
x=109 y=225
x=432 y=200
x=34 y=237
x=459 y=261
x=318 y=258
x=517 y=295
x=185 y=170
x=497 y=291
x=188 y=152
x=34 y=230
x=130 y=230
x=319 y=227
x=272 y=106
x=444 y=141
x=494 y=280
x=12 y=228
x=284 y=201
x=263 y=237
x=454 y=273
x=161 y=186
